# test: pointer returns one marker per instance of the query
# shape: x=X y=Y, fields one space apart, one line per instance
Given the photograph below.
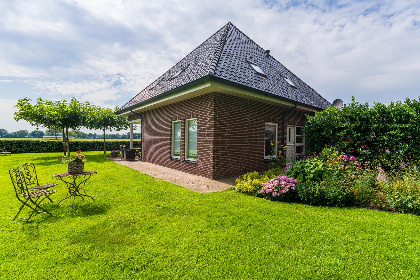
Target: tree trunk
x=64 y=142
x=104 y=143
x=68 y=141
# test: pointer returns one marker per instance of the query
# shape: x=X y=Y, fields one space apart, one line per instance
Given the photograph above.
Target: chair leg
x=38 y=205
x=50 y=199
x=20 y=209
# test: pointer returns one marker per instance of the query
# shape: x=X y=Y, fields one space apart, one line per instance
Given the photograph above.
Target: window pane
x=270 y=140
x=299 y=149
x=299 y=139
x=192 y=139
x=299 y=130
x=177 y=139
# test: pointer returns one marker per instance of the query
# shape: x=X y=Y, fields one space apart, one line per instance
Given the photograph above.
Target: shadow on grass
x=61 y=212
x=82 y=209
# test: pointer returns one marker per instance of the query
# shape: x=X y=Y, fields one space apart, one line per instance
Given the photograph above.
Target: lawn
x=141 y=227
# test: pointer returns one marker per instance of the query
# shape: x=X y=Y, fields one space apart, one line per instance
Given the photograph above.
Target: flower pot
x=76 y=167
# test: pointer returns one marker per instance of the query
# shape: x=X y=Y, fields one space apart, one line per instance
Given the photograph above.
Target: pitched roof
x=231 y=57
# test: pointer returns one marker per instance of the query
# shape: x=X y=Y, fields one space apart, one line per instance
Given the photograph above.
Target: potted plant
x=75 y=163
x=115 y=153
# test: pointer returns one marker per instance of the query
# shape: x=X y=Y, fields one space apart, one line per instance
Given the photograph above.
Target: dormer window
x=291 y=84
x=257 y=69
x=179 y=72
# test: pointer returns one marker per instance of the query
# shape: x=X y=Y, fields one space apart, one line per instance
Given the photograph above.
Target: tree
x=54 y=115
x=52 y=131
x=36 y=134
x=3 y=132
x=21 y=133
x=105 y=119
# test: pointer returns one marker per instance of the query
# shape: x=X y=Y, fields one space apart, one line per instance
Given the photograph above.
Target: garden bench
x=3 y=152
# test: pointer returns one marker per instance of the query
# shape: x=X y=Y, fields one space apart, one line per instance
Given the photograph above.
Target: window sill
x=191 y=161
x=176 y=158
x=270 y=159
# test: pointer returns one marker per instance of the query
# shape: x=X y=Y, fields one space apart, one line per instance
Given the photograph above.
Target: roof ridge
x=218 y=51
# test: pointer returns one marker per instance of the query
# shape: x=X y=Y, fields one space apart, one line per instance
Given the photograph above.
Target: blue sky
x=105 y=52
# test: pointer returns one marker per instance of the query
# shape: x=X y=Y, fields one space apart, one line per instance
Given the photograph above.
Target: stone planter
x=76 y=167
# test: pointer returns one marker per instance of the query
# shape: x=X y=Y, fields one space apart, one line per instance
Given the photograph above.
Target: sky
x=106 y=52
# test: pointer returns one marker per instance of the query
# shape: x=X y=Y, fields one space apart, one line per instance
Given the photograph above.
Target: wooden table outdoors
x=73 y=186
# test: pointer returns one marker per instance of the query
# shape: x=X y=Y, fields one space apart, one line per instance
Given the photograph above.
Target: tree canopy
x=65 y=115
x=105 y=119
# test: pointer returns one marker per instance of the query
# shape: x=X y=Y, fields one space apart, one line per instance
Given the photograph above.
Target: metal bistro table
x=73 y=186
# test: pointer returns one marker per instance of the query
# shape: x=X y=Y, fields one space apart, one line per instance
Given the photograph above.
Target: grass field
x=144 y=228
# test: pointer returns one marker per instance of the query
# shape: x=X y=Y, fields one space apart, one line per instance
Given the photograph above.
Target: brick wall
x=157 y=129
x=230 y=136
x=240 y=126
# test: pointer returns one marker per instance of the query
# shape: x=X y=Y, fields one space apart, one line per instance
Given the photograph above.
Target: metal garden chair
x=29 y=171
x=31 y=199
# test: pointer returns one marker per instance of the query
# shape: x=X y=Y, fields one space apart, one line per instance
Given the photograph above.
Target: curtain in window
x=177 y=139
x=192 y=139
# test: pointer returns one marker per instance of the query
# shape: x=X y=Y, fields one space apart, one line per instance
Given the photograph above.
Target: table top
x=65 y=174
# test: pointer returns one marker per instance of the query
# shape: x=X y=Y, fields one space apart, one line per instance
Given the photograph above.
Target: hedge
x=385 y=135
x=48 y=146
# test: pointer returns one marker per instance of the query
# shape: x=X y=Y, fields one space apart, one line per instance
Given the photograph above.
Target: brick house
x=223 y=110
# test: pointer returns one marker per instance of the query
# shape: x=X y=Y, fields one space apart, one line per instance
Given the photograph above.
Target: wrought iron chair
x=29 y=171
x=27 y=198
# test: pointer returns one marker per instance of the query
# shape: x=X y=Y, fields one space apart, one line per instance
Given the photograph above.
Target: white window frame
x=276 y=140
x=187 y=139
x=173 y=140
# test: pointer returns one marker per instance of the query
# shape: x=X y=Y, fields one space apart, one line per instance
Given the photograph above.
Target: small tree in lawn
x=105 y=119
x=54 y=115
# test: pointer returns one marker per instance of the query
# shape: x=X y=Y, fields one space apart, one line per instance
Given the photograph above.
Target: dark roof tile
x=227 y=55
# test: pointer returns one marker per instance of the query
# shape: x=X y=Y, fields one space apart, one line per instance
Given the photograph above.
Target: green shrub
x=400 y=193
x=365 y=187
x=334 y=179
x=381 y=135
x=325 y=193
x=47 y=146
x=308 y=169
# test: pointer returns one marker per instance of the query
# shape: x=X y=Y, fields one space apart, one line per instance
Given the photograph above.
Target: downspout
x=284 y=116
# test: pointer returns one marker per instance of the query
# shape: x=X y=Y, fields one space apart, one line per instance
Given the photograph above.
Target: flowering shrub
x=251 y=182
x=278 y=186
x=115 y=152
x=77 y=157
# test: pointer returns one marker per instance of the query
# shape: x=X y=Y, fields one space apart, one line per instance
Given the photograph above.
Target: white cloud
x=106 y=51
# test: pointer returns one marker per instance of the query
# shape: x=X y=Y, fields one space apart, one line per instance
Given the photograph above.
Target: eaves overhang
x=210 y=84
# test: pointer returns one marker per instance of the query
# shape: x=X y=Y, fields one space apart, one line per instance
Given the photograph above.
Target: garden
x=315 y=219
x=140 y=227
x=357 y=157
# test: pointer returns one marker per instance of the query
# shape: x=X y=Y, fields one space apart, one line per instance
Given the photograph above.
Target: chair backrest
x=29 y=172
x=19 y=182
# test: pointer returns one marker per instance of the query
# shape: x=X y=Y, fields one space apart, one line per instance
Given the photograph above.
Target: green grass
x=145 y=228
